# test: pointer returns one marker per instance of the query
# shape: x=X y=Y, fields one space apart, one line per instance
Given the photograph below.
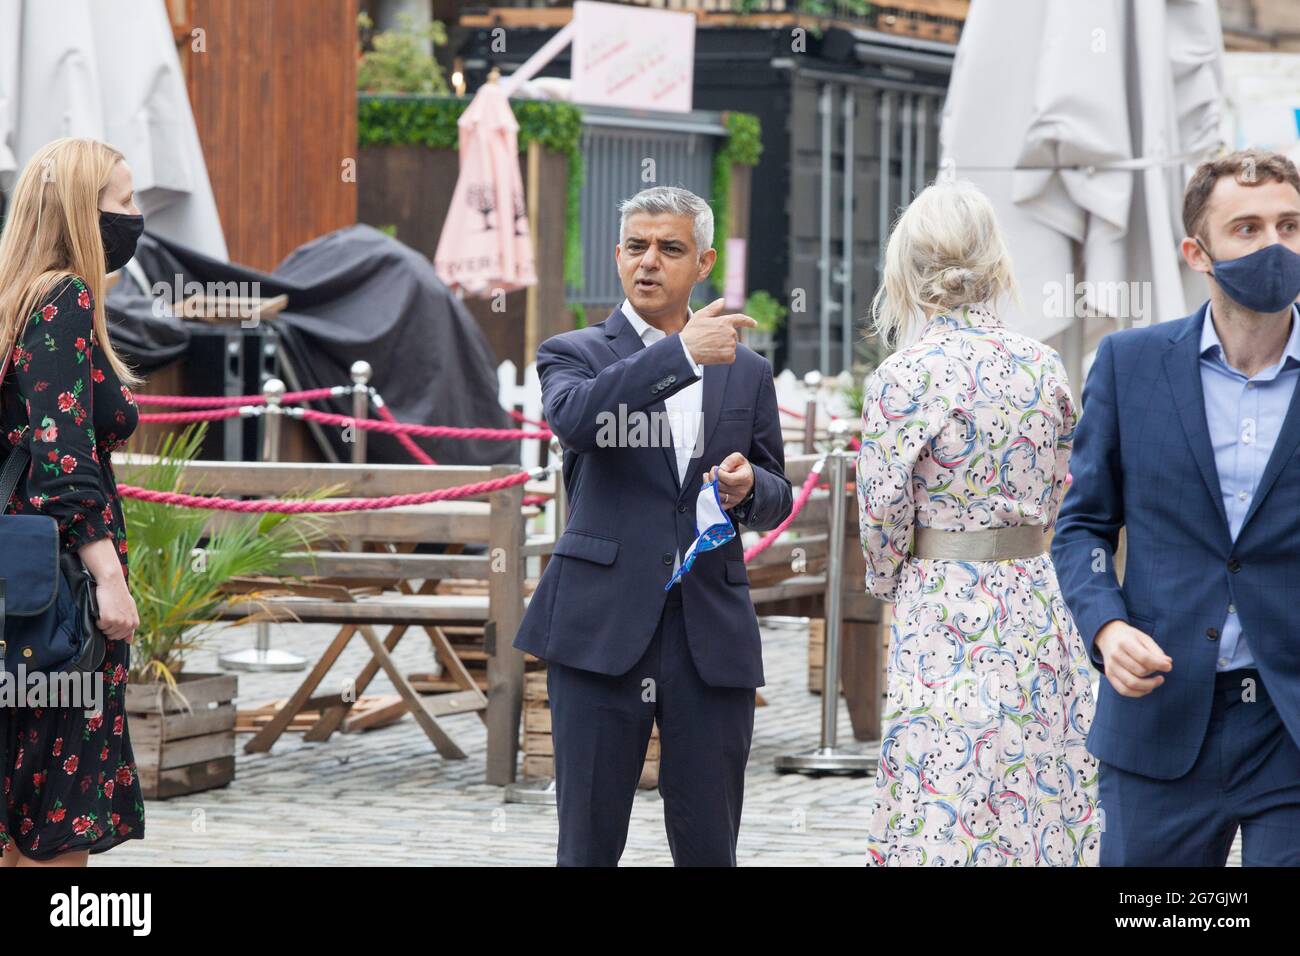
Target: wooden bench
x=364 y=577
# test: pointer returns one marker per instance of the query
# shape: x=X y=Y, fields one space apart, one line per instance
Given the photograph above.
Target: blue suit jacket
x=599 y=600
x=1143 y=460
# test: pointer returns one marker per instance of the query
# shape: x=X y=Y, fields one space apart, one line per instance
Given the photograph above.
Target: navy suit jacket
x=598 y=602
x=1143 y=461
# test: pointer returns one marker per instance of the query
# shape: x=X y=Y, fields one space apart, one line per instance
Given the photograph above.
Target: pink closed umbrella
x=485 y=245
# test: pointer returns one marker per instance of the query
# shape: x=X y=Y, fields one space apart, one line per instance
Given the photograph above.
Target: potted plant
x=181 y=723
x=770 y=316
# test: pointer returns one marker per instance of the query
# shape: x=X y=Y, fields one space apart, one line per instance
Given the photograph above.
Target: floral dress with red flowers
x=69 y=778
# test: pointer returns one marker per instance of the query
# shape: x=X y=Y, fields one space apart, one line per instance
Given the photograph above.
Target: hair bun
x=956 y=279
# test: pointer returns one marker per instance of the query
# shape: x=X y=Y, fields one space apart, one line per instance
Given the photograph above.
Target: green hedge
x=416 y=120
x=743 y=147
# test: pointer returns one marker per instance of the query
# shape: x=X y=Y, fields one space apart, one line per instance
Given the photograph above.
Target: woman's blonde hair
x=946 y=251
x=51 y=235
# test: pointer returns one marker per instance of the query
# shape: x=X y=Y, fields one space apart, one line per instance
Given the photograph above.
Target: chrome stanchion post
x=263 y=657
x=812 y=381
x=273 y=392
x=826 y=758
x=360 y=372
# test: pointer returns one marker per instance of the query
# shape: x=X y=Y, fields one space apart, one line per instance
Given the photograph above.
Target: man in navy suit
x=1189 y=439
x=649 y=404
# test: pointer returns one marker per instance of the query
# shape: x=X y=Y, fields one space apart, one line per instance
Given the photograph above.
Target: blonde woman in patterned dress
x=967 y=430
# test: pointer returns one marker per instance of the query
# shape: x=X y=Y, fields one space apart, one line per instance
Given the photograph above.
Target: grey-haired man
x=623 y=653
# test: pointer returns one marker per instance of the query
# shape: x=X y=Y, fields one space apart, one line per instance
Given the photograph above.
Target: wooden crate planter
x=180 y=750
x=539 y=748
x=817 y=655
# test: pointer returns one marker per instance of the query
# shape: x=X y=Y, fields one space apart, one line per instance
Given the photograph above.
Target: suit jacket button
x=671 y=379
x=1234 y=565
x=681 y=509
x=1212 y=633
x=667 y=557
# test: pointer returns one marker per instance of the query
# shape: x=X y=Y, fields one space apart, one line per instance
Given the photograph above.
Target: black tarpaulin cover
x=353 y=294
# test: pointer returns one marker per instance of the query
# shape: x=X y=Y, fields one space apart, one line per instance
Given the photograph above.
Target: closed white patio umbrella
x=1082 y=123
x=108 y=69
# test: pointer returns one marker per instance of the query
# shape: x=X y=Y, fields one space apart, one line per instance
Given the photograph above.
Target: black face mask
x=120 y=233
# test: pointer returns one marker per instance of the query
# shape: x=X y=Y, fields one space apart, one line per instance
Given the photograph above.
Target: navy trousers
x=601 y=728
x=1247 y=775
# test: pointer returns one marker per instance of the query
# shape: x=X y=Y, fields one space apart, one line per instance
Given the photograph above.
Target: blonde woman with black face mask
x=967 y=431
x=69 y=774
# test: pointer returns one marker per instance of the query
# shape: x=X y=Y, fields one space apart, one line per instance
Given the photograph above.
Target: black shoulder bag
x=48 y=610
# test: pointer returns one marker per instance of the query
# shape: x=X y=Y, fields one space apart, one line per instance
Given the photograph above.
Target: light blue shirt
x=1244 y=418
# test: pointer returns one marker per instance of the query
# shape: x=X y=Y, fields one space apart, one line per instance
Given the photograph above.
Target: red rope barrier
x=407 y=442
x=388 y=427
x=208 y=401
x=208 y=415
x=854 y=442
x=280 y=506
x=801 y=499
x=425 y=431
x=226 y=408
x=524 y=420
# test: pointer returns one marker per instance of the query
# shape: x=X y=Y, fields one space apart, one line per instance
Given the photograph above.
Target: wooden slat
x=276 y=478
x=537 y=720
x=186 y=751
x=782 y=552
x=464 y=521
x=791 y=587
x=198 y=692
x=148 y=730
x=537 y=546
x=391 y=609
x=384 y=567
x=160 y=784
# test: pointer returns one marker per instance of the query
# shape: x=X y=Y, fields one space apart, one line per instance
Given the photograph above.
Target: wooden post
x=505 y=666
x=531 y=322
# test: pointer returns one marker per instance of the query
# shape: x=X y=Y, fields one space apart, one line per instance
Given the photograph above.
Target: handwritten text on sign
x=632 y=58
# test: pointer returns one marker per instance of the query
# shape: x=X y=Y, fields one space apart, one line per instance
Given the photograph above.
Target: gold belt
x=991 y=544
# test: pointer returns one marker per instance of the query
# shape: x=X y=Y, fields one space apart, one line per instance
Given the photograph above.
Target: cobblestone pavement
x=384 y=797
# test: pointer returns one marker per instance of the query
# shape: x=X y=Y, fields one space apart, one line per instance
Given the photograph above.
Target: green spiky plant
x=178 y=564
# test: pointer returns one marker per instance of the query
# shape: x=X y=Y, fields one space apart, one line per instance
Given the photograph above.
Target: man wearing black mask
x=1189 y=440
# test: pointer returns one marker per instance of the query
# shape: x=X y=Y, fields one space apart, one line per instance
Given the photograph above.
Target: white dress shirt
x=685 y=407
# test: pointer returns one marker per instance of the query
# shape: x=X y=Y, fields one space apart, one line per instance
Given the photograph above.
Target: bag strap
x=14 y=467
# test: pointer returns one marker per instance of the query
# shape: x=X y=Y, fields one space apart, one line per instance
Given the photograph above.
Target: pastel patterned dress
x=982 y=760
x=68 y=779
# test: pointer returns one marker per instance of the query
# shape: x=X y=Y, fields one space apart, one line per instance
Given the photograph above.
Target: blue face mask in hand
x=713 y=528
x=1267 y=280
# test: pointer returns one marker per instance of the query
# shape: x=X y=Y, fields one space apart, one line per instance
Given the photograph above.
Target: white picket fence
x=526 y=399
